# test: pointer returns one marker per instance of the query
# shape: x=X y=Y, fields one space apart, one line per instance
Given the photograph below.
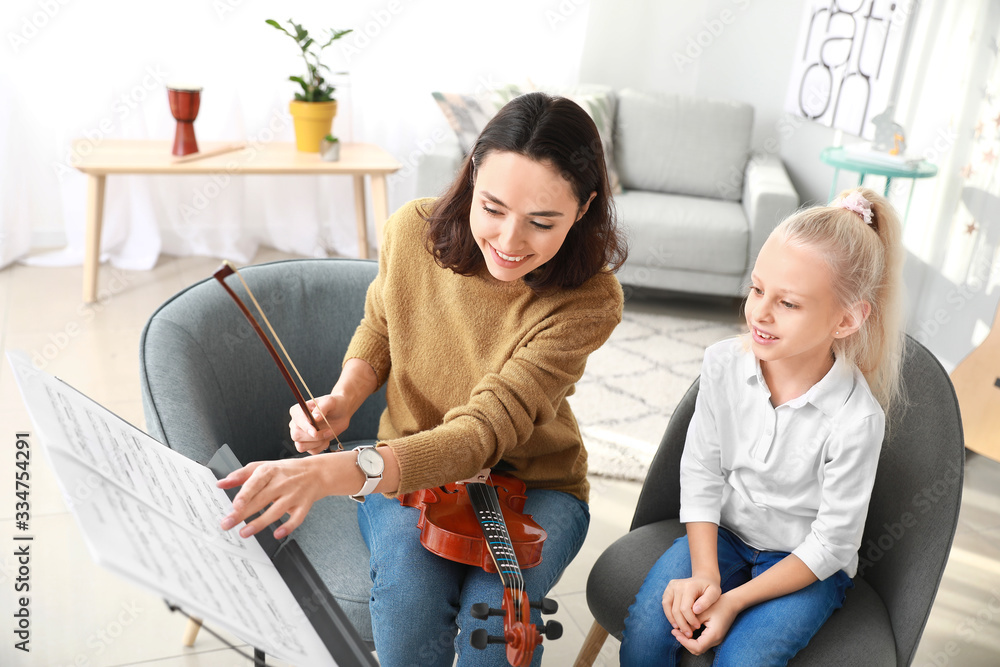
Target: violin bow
x=223 y=272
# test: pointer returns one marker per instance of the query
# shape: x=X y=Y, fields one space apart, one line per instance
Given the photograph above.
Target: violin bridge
x=478 y=478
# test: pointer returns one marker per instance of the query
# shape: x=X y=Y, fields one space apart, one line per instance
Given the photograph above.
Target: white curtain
x=97 y=70
x=951 y=104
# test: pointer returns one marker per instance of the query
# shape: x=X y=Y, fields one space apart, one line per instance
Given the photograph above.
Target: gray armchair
x=207 y=380
x=911 y=522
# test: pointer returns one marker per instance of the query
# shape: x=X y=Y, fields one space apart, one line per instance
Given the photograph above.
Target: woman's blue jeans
x=420 y=601
x=770 y=633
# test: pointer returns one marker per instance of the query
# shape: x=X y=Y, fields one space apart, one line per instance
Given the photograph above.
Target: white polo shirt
x=795 y=478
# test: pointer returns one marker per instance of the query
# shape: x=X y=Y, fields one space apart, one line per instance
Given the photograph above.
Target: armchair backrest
x=914 y=506
x=197 y=349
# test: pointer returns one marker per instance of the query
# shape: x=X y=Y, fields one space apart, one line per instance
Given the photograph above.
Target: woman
x=487 y=303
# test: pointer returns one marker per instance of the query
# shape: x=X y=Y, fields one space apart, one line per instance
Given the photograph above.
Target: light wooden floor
x=82 y=615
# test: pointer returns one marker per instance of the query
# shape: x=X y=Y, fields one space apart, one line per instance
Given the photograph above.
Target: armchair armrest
x=768 y=198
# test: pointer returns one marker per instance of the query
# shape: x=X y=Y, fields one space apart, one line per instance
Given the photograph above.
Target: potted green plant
x=329 y=148
x=314 y=108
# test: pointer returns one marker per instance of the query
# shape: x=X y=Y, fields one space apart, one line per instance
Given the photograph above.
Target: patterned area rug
x=632 y=384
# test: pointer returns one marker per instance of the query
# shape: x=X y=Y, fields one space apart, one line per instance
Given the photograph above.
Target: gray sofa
x=696 y=205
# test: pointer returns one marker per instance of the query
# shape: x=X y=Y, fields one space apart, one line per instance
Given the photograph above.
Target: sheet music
x=152 y=515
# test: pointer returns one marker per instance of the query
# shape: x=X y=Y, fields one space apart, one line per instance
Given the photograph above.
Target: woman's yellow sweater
x=478 y=370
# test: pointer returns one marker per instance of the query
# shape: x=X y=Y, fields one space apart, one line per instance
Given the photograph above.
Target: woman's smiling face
x=521 y=213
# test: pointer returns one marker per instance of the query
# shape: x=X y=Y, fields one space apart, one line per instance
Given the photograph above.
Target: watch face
x=371 y=462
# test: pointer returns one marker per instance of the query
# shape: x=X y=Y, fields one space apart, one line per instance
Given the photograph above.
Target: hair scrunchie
x=857 y=203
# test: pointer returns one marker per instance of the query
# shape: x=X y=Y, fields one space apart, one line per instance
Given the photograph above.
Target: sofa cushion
x=683 y=232
x=467 y=114
x=682 y=145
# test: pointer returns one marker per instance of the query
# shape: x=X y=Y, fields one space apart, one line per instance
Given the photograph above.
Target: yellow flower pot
x=313 y=121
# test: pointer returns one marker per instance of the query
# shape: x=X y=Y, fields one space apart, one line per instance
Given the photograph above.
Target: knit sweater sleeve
x=505 y=407
x=371 y=339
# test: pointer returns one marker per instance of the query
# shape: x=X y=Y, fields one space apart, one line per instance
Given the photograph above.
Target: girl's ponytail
x=882 y=344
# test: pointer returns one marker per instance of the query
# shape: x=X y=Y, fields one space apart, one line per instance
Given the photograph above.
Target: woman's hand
x=290 y=486
x=305 y=436
x=685 y=599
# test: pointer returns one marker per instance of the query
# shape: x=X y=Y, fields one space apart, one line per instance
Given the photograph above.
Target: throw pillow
x=467 y=114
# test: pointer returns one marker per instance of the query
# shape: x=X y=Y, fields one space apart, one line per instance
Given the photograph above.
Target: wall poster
x=846 y=60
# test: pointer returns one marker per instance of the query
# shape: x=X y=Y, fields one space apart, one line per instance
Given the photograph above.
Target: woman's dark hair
x=553 y=131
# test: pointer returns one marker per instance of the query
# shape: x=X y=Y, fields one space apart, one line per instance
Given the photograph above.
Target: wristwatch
x=372 y=465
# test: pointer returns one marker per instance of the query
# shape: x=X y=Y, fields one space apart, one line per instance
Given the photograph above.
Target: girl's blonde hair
x=866 y=263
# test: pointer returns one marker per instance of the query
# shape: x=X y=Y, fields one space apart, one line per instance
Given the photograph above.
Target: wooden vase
x=184 y=104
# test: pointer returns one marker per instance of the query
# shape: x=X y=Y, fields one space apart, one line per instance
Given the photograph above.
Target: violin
x=472 y=522
x=450 y=527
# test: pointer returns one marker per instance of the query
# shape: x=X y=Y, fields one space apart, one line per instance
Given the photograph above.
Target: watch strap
x=370 y=482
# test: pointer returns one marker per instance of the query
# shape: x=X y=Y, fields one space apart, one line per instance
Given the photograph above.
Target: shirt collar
x=829 y=394
x=751 y=369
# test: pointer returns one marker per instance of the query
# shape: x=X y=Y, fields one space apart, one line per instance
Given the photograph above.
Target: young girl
x=487 y=303
x=781 y=452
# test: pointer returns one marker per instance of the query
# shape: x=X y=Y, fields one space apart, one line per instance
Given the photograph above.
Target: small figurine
x=889 y=137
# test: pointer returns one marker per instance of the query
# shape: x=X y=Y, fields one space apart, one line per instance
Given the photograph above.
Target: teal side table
x=836 y=157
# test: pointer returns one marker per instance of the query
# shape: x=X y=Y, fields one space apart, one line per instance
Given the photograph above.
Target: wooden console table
x=123 y=156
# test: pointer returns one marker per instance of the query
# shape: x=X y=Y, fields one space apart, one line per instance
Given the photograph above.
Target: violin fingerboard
x=487 y=506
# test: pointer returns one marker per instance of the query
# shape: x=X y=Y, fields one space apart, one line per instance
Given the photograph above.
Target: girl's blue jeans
x=769 y=633
x=420 y=601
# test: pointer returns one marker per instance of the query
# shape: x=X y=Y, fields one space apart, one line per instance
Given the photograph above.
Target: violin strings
x=274 y=334
x=483 y=500
x=516 y=578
